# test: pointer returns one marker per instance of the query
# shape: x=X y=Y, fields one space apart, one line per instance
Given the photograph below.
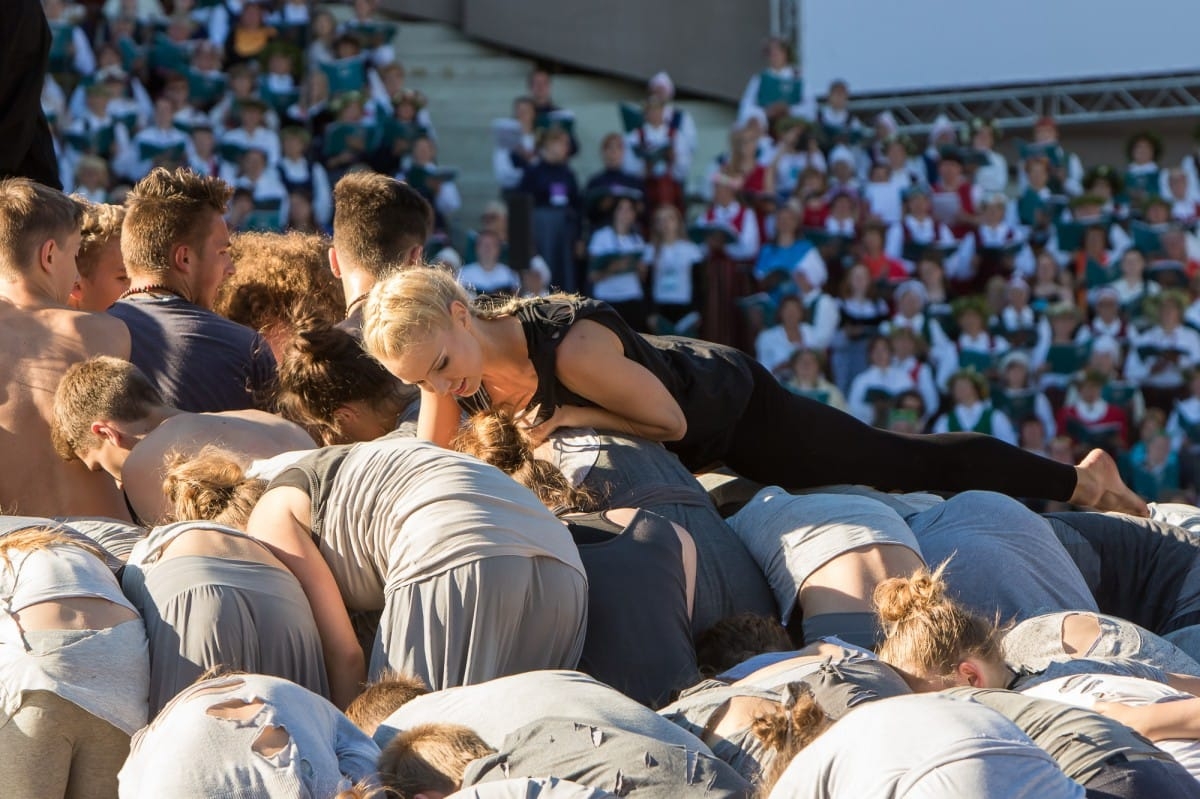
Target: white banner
x=884 y=46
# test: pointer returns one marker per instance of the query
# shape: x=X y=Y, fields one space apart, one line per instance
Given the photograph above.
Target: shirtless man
x=39 y=239
x=109 y=416
x=379 y=226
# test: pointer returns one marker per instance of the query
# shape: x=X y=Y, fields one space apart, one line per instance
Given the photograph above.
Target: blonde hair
x=927 y=633
x=407 y=307
x=32 y=539
x=211 y=486
x=493 y=437
x=785 y=732
x=430 y=757
x=30 y=215
x=102 y=388
x=101 y=226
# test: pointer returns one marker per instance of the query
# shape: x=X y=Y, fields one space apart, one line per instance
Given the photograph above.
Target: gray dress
x=635 y=473
x=475 y=578
x=204 y=611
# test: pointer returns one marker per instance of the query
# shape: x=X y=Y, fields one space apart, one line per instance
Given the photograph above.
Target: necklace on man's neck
x=357 y=301
x=153 y=288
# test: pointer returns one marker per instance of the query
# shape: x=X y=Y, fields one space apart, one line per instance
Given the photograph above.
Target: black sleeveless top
x=711 y=383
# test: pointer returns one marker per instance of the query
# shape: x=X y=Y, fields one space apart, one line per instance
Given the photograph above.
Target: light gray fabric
x=1178 y=514
x=615 y=760
x=906 y=504
x=963 y=749
x=1006 y=558
x=1034 y=643
x=483 y=619
x=187 y=751
x=45 y=574
x=400 y=511
x=790 y=536
x=1080 y=741
x=548 y=788
x=203 y=611
x=496 y=708
x=117 y=537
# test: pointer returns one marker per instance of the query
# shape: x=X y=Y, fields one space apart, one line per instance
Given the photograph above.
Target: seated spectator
x=971 y=412
x=434 y=183
x=159 y=145
x=268 y=194
x=873 y=390
x=775 y=346
x=975 y=348
x=917 y=230
x=102 y=278
x=175 y=245
x=1090 y=421
x=1158 y=357
x=251 y=131
x=806 y=371
x=250 y=34
x=1143 y=176
x=486 y=275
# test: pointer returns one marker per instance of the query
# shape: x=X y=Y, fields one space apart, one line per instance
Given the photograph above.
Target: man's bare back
x=249 y=435
x=38 y=347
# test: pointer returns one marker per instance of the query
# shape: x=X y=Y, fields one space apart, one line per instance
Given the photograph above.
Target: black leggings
x=1141 y=778
x=795 y=442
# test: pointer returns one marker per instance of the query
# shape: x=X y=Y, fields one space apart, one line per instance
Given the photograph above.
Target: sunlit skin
x=214 y=264
x=106 y=281
x=449 y=361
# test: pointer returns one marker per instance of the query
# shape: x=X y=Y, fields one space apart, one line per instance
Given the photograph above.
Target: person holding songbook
x=956 y=201
x=302 y=176
x=486 y=274
x=972 y=412
x=917 y=230
x=1066 y=170
x=1017 y=321
x=673 y=261
x=516 y=143
x=1133 y=289
x=349 y=140
x=992 y=248
x=613 y=181
x=1019 y=399
x=95 y=132
x=616 y=271
x=268 y=193
x=1160 y=356
x=975 y=349
x=835 y=124
x=161 y=144
x=1051 y=284
x=251 y=131
x=657 y=153
x=991 y=170
x=1061 y=349
x=1143 y=175
x=778 y=90
x=861 y=312
x=375 y=34
x=874 y=390
x=774 y=346
x=806 y=371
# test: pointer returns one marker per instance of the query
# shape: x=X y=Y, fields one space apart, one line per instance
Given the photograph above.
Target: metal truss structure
x=1112 y=100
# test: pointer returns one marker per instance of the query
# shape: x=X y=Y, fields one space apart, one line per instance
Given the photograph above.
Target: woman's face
x=964 y=392
x=667 y=225
x=786 y=221
x=1016 y=375
x=860 y=280
x=447 y=362
x=807 y=367
x=1143 y=152
x=1132 y=266
x=624 y=215
x=881 y=354
x=1170 y=315
x=790 y=313
x=1046 y=269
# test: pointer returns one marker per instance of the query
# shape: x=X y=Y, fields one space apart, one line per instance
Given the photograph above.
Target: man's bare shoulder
x=90 y=333
x=103 y=334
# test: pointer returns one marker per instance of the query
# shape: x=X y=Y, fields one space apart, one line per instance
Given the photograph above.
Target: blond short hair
x=101 y=226
x=165 y=210
x=30 y=215
x=100 y=388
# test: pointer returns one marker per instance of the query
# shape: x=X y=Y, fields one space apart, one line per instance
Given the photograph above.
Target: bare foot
x=1099 y=486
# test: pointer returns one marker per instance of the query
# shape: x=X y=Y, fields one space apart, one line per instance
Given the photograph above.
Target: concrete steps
x=469 y=84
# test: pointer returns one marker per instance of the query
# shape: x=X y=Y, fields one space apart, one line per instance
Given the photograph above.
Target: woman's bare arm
x=281 y=521
x=439 y=418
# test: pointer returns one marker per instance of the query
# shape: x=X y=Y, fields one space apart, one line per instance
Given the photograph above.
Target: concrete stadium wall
x=710 y=47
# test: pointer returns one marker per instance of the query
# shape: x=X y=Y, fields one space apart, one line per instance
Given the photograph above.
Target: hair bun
x=899 y=598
